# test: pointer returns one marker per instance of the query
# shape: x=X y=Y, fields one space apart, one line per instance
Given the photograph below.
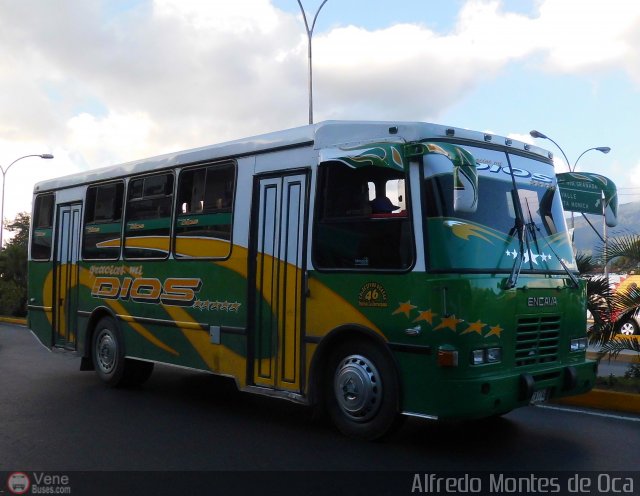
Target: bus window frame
x=50 y=227
x=130 y=179
x=177 y=208
x=122 y=219
x=317 y=215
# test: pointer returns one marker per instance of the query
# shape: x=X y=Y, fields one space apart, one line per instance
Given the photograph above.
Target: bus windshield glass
x=489 y=238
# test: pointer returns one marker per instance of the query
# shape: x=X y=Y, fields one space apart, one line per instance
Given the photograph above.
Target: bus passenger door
x=67 y=275
x=279 y=251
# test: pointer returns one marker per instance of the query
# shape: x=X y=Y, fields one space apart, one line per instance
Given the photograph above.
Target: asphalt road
x=55 y=418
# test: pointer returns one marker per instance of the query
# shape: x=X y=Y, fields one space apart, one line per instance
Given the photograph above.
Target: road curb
x=12 y=320
x=625 y=357
x=601 y=399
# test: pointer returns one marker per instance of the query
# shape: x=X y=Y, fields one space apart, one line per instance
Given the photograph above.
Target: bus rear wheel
x=109 y=357
x=361 y=391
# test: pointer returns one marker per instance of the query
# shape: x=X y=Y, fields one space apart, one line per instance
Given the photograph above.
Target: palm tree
x=13 y=268
x=626 y=303
x=599 y=300
x=613 y=308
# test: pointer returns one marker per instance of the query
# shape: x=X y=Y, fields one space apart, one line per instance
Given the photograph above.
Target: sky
x=101 y=82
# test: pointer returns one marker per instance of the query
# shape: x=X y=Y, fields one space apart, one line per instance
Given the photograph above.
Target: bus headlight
x=579 y=344
x=486 y=355
x=494 y=355
x=477 y=357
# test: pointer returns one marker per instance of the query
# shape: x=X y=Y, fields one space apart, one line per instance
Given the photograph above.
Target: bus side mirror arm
x=465 y=173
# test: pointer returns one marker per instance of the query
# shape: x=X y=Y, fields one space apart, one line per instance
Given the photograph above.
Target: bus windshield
x=488 y=239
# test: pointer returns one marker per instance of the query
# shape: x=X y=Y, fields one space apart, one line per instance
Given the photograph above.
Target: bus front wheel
x=361 y=391
x=109 y=358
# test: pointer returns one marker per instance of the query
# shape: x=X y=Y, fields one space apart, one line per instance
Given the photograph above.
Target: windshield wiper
x=519 y=227
x=532 y=225
x=524 y=231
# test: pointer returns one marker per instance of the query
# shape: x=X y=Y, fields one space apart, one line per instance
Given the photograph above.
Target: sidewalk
x=602 y=399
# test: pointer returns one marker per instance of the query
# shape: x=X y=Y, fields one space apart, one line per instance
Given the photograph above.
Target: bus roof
x=321 y=135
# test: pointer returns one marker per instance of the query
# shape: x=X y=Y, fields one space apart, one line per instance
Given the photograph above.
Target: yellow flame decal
x=463 y=231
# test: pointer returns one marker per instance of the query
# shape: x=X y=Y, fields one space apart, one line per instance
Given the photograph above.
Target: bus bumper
x=495 y=395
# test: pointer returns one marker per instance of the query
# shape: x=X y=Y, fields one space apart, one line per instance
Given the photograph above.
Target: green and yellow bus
x=373 y=269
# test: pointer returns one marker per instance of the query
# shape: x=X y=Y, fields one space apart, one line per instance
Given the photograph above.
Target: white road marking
x=589 y=412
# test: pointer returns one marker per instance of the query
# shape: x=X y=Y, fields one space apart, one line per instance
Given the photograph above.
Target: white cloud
x=103 y=87
x=103 y=141
x=239 y=16
x=634 y=176
x=589 y=35
x=525 y=138
x=631 y=189
x=205 y=71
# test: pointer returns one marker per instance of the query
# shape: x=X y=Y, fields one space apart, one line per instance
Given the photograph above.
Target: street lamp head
x=4 y=173
x=537 y=134
x=603 y=149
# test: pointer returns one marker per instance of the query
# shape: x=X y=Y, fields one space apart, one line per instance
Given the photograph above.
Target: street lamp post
x=4 y=173
x=602 y=149
x=538 y=134
x=309 y=36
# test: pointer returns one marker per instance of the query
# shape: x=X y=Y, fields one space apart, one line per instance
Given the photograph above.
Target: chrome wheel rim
x=106 y=348
x=627 y=329
x=358 y=388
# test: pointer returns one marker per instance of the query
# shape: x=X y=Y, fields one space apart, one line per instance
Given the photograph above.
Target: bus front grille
x=537 y=340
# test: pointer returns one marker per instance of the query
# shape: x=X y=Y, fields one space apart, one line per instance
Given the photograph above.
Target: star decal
x=426 y=316
x=449 y=323
x=494 y=331
x=475 y=327
x=529 y=256
x=405 y=308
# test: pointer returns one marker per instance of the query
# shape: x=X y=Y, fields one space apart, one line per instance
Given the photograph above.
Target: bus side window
x=362 y=221
x=148 y=216
x=103 y=222
x=42 y=227
x=204 y=222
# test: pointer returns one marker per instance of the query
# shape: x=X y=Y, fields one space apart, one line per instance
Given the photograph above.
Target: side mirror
x=465 y=188
x=465 y=174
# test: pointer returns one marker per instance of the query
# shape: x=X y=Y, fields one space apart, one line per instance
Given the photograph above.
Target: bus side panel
x=40 y=316
x=190 y=313
x=419 y=315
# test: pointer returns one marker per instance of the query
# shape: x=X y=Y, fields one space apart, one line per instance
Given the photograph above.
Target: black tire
x=108 y=355
x=361 y=391
x=136 y=372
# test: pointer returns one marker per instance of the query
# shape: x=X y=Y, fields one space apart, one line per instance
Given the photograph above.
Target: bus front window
x=488 y=238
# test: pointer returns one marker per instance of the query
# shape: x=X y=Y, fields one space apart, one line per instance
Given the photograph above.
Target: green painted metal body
x=461 y=292
x=469 y=312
